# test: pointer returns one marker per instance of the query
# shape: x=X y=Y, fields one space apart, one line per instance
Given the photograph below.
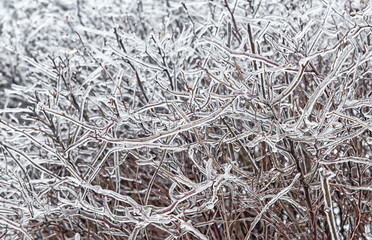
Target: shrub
x=185 y=120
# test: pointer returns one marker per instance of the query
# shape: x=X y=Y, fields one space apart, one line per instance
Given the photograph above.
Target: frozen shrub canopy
x=185 y=120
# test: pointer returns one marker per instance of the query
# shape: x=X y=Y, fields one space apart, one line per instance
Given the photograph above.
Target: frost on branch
x=185 y=120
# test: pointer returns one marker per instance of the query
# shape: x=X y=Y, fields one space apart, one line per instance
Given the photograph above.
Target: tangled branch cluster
x=186 y=120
